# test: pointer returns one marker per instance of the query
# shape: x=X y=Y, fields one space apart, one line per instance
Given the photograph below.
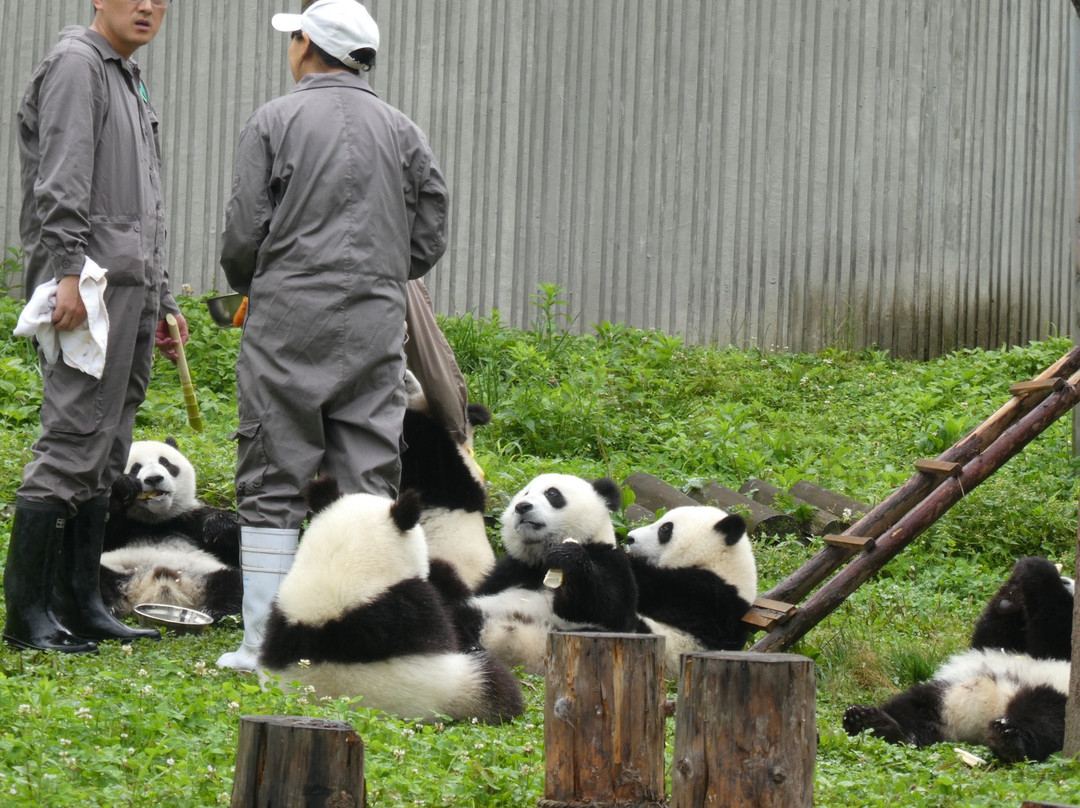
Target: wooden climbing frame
x=861 y=550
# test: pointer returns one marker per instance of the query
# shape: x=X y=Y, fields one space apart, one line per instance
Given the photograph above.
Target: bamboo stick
x=188 y=389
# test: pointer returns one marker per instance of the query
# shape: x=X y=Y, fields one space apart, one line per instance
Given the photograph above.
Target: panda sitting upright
x=450 y=484
x=1009 y=691
x=357 y=616
x=696 y=578
x=162 y=545
x=562 y=570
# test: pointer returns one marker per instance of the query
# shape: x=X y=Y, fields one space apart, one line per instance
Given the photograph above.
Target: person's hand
x=167 y=346
x=70 y=312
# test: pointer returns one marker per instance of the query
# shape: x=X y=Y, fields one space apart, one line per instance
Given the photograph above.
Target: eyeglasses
x=154 y=3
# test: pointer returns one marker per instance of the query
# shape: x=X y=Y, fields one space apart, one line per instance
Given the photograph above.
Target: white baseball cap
x=339 y=27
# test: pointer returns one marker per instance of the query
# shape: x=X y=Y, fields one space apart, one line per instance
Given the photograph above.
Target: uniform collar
x=100 y=44
x=337 y=78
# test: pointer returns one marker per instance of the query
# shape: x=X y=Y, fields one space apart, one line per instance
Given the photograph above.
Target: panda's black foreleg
x=597 y=587
x=912 y=717
x=1048 y=608
x=1033 y=727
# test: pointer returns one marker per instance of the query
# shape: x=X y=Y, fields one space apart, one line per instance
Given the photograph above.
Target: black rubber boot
x=77 y=603
x=36 y=535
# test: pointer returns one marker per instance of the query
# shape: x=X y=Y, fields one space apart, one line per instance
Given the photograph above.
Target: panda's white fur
x=358 y=575
x=674 y=599
x=978 y=685
x=173 y=572
x=339 y=568
x=453 y=514
x=167 y=492
x=563 y=521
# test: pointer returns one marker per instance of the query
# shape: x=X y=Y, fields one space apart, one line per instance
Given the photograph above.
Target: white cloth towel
x=84 y=347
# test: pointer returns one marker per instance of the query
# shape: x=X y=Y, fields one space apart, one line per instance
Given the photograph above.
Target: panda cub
x=357 y=616
x=450 y=484
x=562 y=570
x=696 y=578
x=1009 y=691
x=162 y=545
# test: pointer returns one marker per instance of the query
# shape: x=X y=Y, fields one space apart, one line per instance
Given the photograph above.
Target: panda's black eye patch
x=555 y=497
x=135 y=469
x=666 y=531
x=172 y=469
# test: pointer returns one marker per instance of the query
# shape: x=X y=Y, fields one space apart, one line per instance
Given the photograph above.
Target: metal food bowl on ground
x=224 y=307
x=177 y=619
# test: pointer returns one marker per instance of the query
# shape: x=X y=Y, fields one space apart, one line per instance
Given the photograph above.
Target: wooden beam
x=941 y=467
x=853 y=542
x=885 y=514
x=918 y=519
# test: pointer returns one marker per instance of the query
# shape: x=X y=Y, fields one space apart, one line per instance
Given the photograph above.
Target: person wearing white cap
x=337 y=202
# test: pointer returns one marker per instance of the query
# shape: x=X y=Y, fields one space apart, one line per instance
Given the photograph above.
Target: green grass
x=156 y=724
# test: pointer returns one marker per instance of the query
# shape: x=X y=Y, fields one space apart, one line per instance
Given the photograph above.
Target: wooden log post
x=285 y=760
x=604 y=721
x=744 y=731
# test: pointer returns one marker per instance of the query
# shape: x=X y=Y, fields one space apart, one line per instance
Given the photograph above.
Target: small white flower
x=143 y=672
x=25 y=709
x=169 y=761
x=399 y=754
x=304 y=663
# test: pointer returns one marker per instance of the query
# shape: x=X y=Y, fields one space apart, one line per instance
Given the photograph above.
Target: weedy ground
x=155 y=724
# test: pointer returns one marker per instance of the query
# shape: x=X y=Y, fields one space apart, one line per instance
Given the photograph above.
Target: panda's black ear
x=406 y=511
x=321 y=491
x=608 y=489
x=171 y=441
x=731 y=528
x=477 y=414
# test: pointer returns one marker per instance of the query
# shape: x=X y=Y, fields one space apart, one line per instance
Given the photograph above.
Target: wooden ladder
x=937 y=485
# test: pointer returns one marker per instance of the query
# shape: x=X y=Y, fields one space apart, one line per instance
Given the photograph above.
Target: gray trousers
x=298 y=421
x=86 y=423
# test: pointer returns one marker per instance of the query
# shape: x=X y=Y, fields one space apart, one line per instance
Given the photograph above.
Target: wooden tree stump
x=760 y=519
x=604 y=721
x=744 y=731
x=284 y=761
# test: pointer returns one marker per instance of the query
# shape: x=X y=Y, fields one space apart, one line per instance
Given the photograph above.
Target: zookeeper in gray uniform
x=337 y=202
x=91 y=182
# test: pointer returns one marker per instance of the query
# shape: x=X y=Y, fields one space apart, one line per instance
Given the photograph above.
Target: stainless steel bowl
x=176 y=619
x=224 y=307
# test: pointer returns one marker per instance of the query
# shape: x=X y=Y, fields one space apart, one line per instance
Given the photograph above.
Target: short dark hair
x=365 y=56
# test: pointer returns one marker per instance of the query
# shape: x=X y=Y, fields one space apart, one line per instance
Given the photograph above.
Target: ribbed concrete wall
x=757 y=172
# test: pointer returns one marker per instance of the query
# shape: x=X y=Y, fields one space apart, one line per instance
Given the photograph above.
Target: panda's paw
x=222 y=527
x=125 y=489
x=1009 y=741
x=861 y=717
x=567 y=556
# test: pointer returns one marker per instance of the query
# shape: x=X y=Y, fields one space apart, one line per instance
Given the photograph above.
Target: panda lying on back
x=696 y=578
x=162 y=545
x=558 y=523
x=1009 y=691
x=357 y=616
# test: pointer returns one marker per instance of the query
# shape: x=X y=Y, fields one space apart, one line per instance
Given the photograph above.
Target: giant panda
x=162 y=545
x=450 y=484
x=1007 y=692
x=696 y=578
x=357 y=616
x=562 y=570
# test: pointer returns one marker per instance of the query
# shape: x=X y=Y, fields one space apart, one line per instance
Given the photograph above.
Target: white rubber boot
x=266 y=553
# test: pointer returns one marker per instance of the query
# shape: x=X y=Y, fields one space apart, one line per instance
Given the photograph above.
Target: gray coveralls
x=91 y=181
x=337 y=202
